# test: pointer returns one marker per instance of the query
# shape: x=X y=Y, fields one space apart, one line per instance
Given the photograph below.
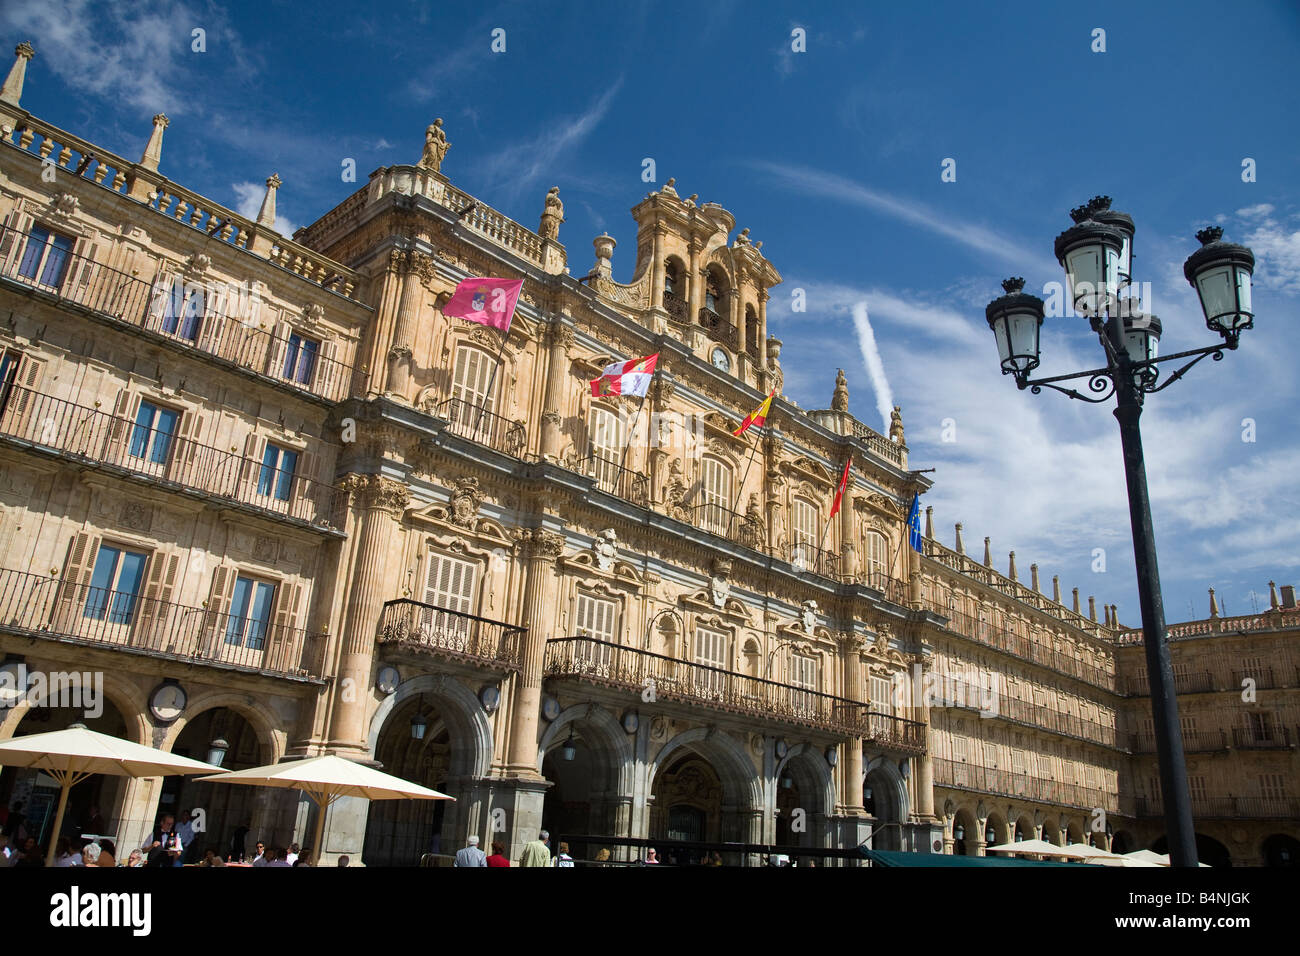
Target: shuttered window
x=151 y=438
x=882 y=695
x=449 y=586
x=278 y=467
x=877 y=549
x=473 y=377
x=710 y=650
x=715 y=495
x=46 y=257
x=300 y=358
x=803 y=674
x=804 y=530
x=606 y=447
x=1272 y=786
x=250 y=613
x=597 y=618
x=115 y=585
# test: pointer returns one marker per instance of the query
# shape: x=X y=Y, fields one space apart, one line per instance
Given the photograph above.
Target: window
x=606 y=446
x=276 y=477
x=47 y=255
x=9 y=362
x=711 y=651
x=300 y=358
x=804 y=530
x=115 y=585
x=716 y=494
x=472 y=379
x=711 y=293
x=448 y=586
x=250 y=613
x=183 y=309
x=1260 y=724
x=1272 y=786
x=882 y=695
x=877 y=549
x=1196 y=788
x=671 y=278
x=803 y=674
x=151 y=439
x=597 y=618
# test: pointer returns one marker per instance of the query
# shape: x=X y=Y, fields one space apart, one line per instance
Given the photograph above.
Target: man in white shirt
x=292 y=856
x=471 y=855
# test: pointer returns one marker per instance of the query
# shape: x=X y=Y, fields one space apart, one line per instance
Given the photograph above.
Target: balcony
x=37 y=606
x=1017 y=645
x=1207 y=741
x=1228 y=808
x=426 y=629
x=1281 y=619
x=961 y=775
x=1263 y=738
x=806 y=556
x=162 y=458
x=1026 y=713
x=481 y=426
x=677 y=308
x=1186 y=682
x=893 y=589
x=223 y=327
x=717 y=328
x=615 y=479
x=592 y=661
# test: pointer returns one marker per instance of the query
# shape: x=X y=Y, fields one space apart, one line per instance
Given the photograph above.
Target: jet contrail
x=875 y=368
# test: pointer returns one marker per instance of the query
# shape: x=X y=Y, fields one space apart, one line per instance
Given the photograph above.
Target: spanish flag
x=757 y=417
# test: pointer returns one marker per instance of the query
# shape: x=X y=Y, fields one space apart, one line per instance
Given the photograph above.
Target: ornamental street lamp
x=1097 y=256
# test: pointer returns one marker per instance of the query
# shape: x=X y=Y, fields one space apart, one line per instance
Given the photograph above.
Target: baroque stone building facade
x=286 y=506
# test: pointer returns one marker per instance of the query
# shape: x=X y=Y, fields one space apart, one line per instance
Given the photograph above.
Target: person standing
x=470 y=855
x=239 y=842
x=498 y=857
x=292 y=856
x=537 y=853
x=562 y=858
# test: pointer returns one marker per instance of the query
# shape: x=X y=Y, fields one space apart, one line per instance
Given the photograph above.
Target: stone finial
x=840 y=398
x=1056 y=588
x=1076 y=601
x=266 y=215
x=988 y=553
x=960 y=546
x=1114 y=615
x=743 y=238
x=153 y=149
x=1033 y=578
x=604 y=245
x=929 y=522
x=1272 y=596
x=552 y=215
x=12 y=91
x=1011 y=568
x=1092 y=608
x=1214 y=604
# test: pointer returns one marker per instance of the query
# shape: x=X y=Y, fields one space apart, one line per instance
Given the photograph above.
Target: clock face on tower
x=721 y=361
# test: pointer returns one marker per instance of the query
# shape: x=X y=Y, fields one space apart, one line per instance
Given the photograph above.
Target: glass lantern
x=1016 y=319
x=1220 y=272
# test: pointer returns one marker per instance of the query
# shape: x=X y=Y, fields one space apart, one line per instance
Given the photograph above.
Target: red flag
x=486 y=301
x=626 y=378
x=844 y=483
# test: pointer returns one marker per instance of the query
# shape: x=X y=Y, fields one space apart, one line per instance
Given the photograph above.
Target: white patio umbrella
x=72 y=755
x=1120 y=860
x=1159 y=859
x=326 y=779
x=1084 y=851
x=1034 y=847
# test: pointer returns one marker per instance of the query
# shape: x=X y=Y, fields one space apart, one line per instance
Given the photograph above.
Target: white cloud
x=248 y=202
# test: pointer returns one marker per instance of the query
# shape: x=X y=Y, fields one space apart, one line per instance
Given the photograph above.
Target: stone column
x=851 y=752
x=12 y=91
x=846 y=533
x=138 y=187
x=657 y=267
x=696 y=290
x=541 y=548
x=380 y=502
x=415 y=268
x=738 y=323
x=559 y=339
x=761 y=331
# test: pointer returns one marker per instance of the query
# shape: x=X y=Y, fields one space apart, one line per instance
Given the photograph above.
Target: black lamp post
x=1097 y=256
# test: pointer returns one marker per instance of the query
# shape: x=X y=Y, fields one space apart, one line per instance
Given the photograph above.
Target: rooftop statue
x=435 y=146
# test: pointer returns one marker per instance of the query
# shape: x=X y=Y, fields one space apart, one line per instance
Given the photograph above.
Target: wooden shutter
x=156 y=619
x=278 y=350
x=285 y=638
x=715 y=488
x=450 y=585
x=251 y=468
x=220 y=595
x=329 y=378
x=306 y=498
x=9 y=236
x=472 y=375
x=78 y=569
x=22 y=404
x=85 y=268
x=119 y=429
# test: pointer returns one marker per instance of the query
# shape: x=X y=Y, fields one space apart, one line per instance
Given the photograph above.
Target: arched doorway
x=415 y=744
x=587 y=756
x=1280 y=850
x=803 y=798
x=1025 y=829
x=222 y=809
x=1208 y=850
x=688 y=806
x=884 y=795
x=1122 y=842
x=996 y=830
x=965 y=831
x=95 y=804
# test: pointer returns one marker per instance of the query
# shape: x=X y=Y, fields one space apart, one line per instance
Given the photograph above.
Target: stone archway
x=433 y=731
x=884 y=794
x=804 y=798
x=1280 y=850
x=591 y=794
x=737 y=812
x=997 y=830
x=965 y=833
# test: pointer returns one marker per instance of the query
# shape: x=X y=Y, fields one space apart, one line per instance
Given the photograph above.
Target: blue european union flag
x=914 y=525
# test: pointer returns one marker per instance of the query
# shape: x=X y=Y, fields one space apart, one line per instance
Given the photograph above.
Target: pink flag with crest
x=486 y=301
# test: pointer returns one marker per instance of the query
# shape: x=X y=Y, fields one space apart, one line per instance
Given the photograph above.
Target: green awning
x=896 y=858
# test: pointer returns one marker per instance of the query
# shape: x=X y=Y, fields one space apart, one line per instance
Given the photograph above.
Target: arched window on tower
x=752 y=332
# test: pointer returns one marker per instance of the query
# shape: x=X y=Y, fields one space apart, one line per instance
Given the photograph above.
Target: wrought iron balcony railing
x=893 y=589
x=1185 y=682
x=1227 y=808
x=1206 y=741
x=615 y=479
x=806 y=556
x=615 y=665
x=162 y=456
x=1280 y=619
x=677 y=308
x=717 y=328
x=481 y=426
x=967 y=776
x=48 y=607
x=1264 y=738
x=215 y=319
x=994 y=705
x=452 y=635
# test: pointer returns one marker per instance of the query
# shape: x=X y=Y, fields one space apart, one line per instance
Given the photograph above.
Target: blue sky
x=832 y=157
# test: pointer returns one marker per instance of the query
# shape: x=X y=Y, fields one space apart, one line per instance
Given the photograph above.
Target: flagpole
x=492 y=377
x=631 y=432
x=831 y=518
x=752 y=455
